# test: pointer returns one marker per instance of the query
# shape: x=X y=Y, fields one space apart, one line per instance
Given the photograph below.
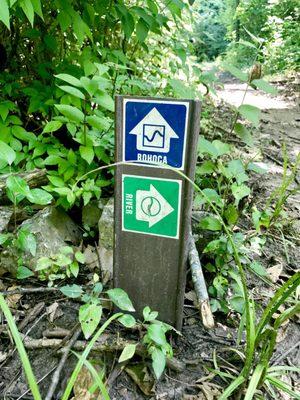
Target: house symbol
x=153 y=133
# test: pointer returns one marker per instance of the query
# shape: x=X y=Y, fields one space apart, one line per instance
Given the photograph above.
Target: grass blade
x=84 y=356
x=283 y=386
x=232 y=387
x=254 y=381
x=96 y=377
x=21 y=350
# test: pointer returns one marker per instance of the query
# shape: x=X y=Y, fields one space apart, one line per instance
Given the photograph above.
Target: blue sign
x=154 y=131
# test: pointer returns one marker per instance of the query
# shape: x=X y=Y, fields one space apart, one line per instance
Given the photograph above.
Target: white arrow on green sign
x=151 y=205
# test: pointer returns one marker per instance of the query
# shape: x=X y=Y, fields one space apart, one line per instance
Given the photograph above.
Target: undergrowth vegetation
x=62 y=63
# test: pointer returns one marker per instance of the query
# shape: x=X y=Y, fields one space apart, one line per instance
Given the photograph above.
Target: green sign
x=151 y=205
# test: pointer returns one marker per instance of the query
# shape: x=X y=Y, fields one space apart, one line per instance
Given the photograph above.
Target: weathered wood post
x=153 y=203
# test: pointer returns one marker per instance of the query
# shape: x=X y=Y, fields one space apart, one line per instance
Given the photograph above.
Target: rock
x=5 y=215
x=106 y=240
x=52 y=228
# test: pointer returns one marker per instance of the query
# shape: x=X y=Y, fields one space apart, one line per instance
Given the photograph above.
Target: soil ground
x=196 y=347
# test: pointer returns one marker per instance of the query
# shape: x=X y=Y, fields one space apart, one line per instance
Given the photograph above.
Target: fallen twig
x=283 y=356
x=200 y=286
x=56 y=375
x=104 y=344
x=31 y=316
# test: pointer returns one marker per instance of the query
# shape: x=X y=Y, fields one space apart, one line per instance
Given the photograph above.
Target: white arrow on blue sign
x=154 y=131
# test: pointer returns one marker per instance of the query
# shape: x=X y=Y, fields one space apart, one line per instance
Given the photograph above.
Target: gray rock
x=52 y=228
x=5 y=214
x=106 y=239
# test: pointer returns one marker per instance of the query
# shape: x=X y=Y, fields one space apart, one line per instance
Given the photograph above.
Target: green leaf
x=127 y=320
x=72 y=291
x=7 y=154
x=231 y=214
x=127 y=353
x=52 y=126
x=237 y=303
x=73 y=91
x=4 y=13
x=16 y=188
x=89 y=318
x=43 y=263
x=256 y=168
x=243 y=76
x=210 y=223
x=251 y=113
x=240 y=191
x=72 y=113
x=87 y=153
x=39 y=196
x=90 y=85
x=20 y=133
x=221 y=147
x=37 y=8
x=243 y=133
x=106 y=101
x=235 y=169
x=27 y=7
x=265 y=86
x=206 y=168
x=254 y=381
x=149 y=315
x=205 y=146
x=69 y=79
x=120 y=298
x=258 y=268
x=24 y=272
x=213 y=196
x=156 y=333
x=4 y=237
x=142 y=30
x=80 y=257
x=158 y=362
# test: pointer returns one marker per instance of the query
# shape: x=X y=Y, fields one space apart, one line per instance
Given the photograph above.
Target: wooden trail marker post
x=152 y=203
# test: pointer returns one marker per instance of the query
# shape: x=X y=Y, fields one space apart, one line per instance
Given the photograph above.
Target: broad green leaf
x=156 y=333
x=205 y=146
x=89 y=318
x=106 y=101
x=158 y=362
x=120 y=298
x=20 y=133
x=90 y=85
x=43 y=263
x=17 y=186
x=210 y=223
x=39 y=196
x=265 y=86
x=243 y=76
x=4 y=13
x=96 y=122
x=7 y=154
x=69 y=79
x=27 y=7
x=231 y=214
x=256 y=168
x=37 y=8
x=52 y=126
x=251 y=113
x=235 y=169
x=80 y=257
x=24 y=272
x=127 y=320
x=240 y=191
x=221 y=147
x=73 y=91
x=237 y=303
x=243 y=133
x=213 y=196
x=73 y=113
x=87 y=153
x=142 y=30
x=73 y=291
x=127 y=353
x=4 y=237
x=206 y=168
x=149 y=315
